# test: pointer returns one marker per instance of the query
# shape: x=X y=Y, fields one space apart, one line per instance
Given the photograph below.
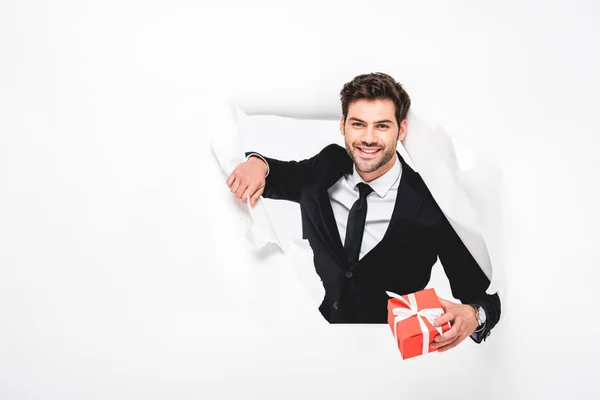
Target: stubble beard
x=368 y=166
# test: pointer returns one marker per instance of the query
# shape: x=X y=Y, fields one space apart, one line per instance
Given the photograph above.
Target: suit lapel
x=328 y=228
x=407 y=205
x=325 y=223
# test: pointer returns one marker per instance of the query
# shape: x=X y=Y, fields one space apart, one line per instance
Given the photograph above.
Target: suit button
x=336 y=305
x=349 y=274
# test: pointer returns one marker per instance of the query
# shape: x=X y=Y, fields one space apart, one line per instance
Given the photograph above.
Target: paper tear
x=262 y=230
x=429 y=152
x=228 y=149
x=434 y=157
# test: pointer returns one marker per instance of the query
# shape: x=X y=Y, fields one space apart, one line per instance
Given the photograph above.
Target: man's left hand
x=463 y=321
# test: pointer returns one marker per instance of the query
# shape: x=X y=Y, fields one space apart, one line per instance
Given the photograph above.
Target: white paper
x=227 y=147
x=433 y=157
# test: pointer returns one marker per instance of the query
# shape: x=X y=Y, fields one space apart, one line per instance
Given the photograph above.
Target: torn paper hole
x=431 y=153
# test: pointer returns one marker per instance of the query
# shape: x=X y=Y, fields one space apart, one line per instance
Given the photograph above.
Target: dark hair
x=376 y=85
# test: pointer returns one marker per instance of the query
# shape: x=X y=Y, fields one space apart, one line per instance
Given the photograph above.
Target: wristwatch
x=480 y=314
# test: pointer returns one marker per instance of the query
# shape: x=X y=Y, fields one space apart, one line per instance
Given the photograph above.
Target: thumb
x=443 y=319
x=255 y=197
x=445 y=303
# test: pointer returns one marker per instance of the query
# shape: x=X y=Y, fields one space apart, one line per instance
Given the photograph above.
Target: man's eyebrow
x=377 y=122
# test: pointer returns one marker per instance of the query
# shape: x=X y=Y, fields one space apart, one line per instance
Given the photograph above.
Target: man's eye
x=383 y=126
x=357 y=124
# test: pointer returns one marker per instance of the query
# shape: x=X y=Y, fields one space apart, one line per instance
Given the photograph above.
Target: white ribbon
x=402 y=313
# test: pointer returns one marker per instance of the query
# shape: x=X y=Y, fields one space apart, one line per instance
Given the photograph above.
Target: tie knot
x=364 y=189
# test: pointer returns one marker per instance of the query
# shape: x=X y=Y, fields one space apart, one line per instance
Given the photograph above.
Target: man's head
x=374 y=108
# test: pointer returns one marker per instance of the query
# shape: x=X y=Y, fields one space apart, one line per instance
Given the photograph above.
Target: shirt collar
x=382 y=184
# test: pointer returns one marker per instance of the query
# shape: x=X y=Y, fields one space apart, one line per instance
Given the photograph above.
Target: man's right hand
x=248 y=179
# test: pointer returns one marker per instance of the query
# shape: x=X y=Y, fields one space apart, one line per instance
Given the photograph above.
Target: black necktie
x=356 y=224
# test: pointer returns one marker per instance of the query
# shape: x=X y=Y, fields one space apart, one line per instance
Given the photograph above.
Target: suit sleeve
x=285 y=180
x=467 y=280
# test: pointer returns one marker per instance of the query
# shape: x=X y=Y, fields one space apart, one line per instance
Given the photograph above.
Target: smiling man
x=371 y=221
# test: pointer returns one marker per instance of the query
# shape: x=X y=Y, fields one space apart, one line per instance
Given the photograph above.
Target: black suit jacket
x=401 y=262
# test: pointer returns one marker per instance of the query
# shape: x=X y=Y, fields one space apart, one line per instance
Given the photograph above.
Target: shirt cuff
x=262 y=158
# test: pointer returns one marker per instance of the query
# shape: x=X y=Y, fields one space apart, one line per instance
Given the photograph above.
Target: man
x=371 y=221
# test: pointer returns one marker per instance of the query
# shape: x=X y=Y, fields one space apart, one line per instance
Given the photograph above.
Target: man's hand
x=463 y=320
x=248 y=180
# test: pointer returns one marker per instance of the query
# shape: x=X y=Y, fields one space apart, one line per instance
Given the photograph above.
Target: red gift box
x=411 y=318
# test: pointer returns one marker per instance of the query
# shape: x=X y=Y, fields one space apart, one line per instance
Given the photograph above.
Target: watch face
x=481 y=315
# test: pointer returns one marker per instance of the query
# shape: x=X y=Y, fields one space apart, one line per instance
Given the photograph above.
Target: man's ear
x=342 y=125
x=402 y=130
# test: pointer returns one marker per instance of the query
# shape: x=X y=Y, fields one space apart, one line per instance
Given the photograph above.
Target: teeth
x=369 y=151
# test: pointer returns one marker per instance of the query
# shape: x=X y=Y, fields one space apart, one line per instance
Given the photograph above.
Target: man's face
x=371 y=134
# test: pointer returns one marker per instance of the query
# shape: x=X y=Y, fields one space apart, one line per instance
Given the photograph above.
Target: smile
x=368 y=152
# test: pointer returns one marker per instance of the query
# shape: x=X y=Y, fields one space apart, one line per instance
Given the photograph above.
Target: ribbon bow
x=402 y=313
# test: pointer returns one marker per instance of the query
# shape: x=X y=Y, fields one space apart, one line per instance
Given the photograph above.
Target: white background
x=125 y=271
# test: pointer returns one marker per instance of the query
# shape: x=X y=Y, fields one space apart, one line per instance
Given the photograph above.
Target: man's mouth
x=368 y=152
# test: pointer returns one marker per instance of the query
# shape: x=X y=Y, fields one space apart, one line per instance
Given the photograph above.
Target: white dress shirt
x=380 y=204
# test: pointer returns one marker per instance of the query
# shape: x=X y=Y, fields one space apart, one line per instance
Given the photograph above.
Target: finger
x=250 y=190
x=256 y=196
x=439 y=345
x=230 y=179
x=449 y=334
x=446 y=305
x=246 y=195
x=240 y=191
x=449 y=316
x=451 y=345
x=235 y=185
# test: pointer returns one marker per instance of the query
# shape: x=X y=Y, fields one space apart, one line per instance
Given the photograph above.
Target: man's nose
x=369 y=134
